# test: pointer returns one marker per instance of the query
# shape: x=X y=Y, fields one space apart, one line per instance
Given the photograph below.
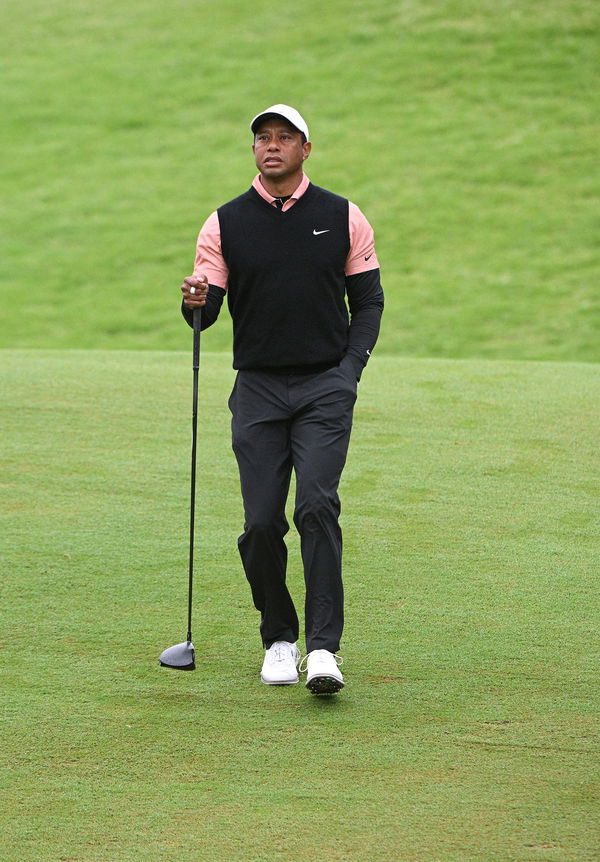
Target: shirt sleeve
x=362 y=256
x=209 y=256
x=365 y=301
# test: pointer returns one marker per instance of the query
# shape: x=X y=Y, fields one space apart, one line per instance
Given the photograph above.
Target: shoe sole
x=280 y=682
x=324 y=685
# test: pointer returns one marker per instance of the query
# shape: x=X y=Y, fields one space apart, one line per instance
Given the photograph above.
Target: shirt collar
x=265 y=194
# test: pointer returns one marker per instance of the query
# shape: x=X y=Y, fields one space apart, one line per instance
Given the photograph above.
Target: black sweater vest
x=286 y=288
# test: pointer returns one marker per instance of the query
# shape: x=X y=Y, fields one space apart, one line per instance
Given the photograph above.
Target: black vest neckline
x=276 y=212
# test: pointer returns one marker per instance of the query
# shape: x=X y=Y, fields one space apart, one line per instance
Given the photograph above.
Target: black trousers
x=299 y=422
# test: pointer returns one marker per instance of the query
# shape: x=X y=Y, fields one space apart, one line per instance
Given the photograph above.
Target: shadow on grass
x=328 y=703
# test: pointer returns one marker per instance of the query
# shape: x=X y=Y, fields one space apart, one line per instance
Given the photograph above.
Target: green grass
x=467 y=132
x=468 y=728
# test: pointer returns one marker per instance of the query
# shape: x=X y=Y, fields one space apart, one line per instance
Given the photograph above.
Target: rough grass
x=466 y=131
x=468 y=728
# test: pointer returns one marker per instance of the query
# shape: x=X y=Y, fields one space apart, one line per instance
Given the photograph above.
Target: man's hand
x=194 y=289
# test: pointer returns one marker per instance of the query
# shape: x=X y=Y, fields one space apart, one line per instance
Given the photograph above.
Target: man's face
x=279 y=149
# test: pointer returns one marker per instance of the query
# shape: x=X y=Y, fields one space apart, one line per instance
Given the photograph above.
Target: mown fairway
x=467 y=730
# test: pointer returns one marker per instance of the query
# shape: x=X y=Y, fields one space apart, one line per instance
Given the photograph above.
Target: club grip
x=197 y=321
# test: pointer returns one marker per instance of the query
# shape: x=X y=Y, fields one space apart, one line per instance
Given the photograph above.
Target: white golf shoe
x=280 y=666
x=323 y=675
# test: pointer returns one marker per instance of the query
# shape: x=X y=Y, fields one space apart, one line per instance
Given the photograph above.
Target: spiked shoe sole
x=324 y=684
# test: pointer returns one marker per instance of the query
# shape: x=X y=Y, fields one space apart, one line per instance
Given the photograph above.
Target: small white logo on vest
x=317 y=232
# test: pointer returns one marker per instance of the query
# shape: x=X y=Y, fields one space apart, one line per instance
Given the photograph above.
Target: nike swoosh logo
x=368 y=256
x=317 y=232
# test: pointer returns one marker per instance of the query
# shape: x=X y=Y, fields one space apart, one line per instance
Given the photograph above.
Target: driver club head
x=179 y=657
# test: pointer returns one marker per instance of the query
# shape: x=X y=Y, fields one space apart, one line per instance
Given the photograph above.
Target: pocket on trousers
x=347 y=372
x=232 y=396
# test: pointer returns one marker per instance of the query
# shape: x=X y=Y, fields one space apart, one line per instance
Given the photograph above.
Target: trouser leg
x=260 y=434
x=320 y=435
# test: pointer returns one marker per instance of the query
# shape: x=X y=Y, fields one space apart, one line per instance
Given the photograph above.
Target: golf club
x=182 y=656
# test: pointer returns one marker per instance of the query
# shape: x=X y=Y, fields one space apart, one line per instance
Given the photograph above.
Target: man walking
x=289 y=255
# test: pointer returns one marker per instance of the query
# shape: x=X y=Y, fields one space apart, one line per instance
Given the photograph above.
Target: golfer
x=299 y=269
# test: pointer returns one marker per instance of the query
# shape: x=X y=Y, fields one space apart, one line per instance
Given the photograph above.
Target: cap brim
x=256 y=122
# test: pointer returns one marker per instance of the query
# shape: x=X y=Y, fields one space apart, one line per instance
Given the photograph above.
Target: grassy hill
x=466 y=131
x=468 y=728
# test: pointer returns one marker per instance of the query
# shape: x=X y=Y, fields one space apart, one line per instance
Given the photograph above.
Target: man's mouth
x=273 y=160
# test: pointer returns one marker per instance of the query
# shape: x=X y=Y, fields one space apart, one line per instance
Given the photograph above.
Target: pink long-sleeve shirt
x=209 y=256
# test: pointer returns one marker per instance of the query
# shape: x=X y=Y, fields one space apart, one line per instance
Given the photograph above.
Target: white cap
x=289 y=114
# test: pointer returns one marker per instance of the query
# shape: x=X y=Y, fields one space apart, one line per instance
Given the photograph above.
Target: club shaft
x=197 y=316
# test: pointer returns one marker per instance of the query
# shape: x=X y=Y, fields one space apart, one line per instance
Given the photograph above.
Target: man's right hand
x=194 y=289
